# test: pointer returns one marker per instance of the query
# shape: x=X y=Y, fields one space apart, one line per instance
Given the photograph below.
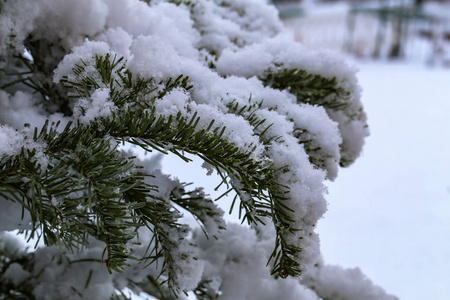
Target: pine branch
x=260 y=197
x=34 y=72
x=252 y=181
x=156 y=288
x=168 y=242
x=106 y=198
x=284 y=254
x=309 y=88
x=7 y=258
x=205 y=291
x=340 y=104
x=204 y=210
x=85 y=189
x=76 y=184
x=178 y=135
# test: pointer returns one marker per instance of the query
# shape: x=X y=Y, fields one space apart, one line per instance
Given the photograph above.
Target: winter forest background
x=388 y=212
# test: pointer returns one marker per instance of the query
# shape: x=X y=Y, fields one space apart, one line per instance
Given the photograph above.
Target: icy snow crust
x=224 y=48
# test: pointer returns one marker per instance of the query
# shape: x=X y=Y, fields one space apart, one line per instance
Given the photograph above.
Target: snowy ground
x=389 y=213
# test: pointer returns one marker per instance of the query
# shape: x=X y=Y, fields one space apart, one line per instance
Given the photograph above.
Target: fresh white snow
x=389 y=213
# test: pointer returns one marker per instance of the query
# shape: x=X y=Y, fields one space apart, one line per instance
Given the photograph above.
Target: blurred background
x=389 y=212
x=393 y=29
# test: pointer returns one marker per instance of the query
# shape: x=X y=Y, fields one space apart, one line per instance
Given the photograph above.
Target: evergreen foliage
x=80 y=190
x=310 y=88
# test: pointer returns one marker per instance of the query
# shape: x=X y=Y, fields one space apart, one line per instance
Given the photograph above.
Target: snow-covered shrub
x=222 y=80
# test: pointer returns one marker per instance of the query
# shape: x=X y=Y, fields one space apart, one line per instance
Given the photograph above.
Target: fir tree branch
x=260 y=196
x=309 y=88
x=114 y=205
x=204 y=210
